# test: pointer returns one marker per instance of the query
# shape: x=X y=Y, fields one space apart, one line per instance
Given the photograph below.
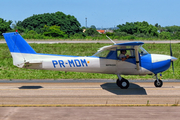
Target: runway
x=88 y=100
x=87 y=93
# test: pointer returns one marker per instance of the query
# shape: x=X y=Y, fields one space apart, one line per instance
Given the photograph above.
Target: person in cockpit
x=123 y=55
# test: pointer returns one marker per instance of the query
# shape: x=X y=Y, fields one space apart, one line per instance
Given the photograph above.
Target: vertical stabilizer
x=20 y=50
x=17 y=44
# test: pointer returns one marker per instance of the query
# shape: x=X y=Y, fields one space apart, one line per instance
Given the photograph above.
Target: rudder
x=20 y=50
x=17 y=44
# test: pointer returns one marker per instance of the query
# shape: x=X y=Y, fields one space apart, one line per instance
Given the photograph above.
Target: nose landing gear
x=158 y=82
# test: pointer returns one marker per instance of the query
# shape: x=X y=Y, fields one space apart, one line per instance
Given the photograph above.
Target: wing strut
x=137 y=58
x=110 y=39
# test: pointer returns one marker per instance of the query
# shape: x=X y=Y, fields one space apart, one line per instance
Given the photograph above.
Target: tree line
x=61 y=26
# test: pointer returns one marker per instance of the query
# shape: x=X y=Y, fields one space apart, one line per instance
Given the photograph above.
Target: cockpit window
x=103 y=53
x=142 y=51
x=129 y=52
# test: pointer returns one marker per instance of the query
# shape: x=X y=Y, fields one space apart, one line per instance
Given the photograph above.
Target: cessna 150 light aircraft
x=106 y=60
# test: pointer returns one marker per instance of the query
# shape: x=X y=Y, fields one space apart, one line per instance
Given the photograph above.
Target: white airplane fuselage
x=78 y=64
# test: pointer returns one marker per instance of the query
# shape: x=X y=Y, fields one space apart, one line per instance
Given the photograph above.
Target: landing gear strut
x=158 y=82
x=122 y=83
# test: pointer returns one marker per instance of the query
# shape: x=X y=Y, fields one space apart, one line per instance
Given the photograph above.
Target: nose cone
x=159 y=58
x=161 y=63
x=173 y=58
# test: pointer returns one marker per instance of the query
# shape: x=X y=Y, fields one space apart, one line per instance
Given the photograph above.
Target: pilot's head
x=123 y=51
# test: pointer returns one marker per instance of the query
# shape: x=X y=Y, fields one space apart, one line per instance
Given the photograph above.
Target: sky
x=101 y=13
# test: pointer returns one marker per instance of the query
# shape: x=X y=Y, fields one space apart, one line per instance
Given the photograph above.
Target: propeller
x=171 y=56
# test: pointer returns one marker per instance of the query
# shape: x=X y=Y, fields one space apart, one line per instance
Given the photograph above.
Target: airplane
x=106 y=60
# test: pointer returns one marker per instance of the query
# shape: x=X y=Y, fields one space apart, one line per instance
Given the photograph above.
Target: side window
x=130 y=52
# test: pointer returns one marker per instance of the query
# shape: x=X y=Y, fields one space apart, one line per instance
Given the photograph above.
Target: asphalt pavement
x=88 y=100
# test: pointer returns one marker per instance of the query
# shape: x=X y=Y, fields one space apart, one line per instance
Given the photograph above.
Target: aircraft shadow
x=30 y=87
x=133 y=89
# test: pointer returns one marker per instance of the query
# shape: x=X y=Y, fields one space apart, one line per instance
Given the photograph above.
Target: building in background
x=105 y=31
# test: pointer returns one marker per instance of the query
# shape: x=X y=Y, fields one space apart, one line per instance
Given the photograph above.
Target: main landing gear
x=122 y=83
x=158 y=82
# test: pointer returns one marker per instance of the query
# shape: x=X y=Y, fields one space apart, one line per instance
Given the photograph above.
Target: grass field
x=55 y=39
x=8 y=71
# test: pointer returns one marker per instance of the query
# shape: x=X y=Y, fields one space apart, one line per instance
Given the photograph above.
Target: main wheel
x=123 y=83
x=158 y=84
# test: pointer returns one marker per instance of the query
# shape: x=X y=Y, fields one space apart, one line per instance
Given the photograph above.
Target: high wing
x=109 y=47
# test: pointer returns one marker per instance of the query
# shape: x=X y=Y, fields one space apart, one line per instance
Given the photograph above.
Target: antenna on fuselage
x=110 y=39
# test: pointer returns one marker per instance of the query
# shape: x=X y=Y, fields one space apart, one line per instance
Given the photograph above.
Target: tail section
x=17 y=44
x=20 y=50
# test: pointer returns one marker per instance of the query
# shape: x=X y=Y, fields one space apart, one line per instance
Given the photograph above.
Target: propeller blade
x=171 y=56
x=171 y=50
x=172 y=66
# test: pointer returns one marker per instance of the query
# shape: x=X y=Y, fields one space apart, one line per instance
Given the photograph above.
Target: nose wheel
x=123 y=83
x=158 y=82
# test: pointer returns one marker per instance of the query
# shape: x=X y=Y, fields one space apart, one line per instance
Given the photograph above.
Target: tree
x=157 y=25
x=83 y=27
x=165 y=35
x=176 y=35
x=4 y=26
x=54 y=31
x=93 y=26
x=129 y=28
x=91 y=32
x=68 y=23
x=172 y=29
x=138 y=28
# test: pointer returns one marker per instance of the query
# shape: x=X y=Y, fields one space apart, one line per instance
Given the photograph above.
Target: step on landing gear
x=122 y=83
x=158 y=82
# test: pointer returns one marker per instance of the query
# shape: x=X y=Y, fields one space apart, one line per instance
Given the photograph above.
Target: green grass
x=8 y=71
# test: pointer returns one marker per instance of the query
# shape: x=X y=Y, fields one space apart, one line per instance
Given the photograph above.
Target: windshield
x=103 y=53
x=142 y=51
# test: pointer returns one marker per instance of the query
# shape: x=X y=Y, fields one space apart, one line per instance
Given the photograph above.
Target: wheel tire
x=158 y=84
x=123 y=84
